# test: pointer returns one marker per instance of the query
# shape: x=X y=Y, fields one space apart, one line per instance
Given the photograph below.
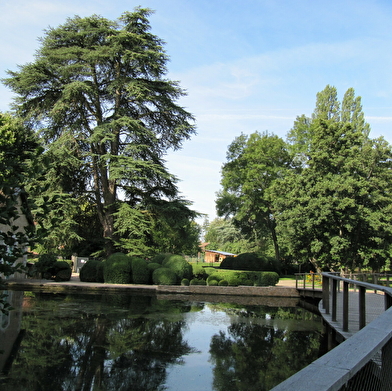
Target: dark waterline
x=134 y=342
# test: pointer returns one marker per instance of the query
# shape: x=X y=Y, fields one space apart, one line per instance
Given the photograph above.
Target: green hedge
x=179 y=265
x=153 y=265
x=141 y=274
x=198 y=271
x=248 y=278
x=250 y=262
x=159 y=258
x=269 y=279
x=164 y=276
x=92 y=271
x=117 y=269
x=60 y=271
x=196 y=281
x=185 y=282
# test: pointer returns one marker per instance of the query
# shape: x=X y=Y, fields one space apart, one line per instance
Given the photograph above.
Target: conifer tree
x=97 y=90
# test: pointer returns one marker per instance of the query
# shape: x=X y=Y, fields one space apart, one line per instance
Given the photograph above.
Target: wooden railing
x=308 y=281
x=333 y=283
x=363 y=361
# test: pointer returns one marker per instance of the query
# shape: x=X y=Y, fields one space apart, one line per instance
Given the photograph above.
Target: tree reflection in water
x=254 y=356
x=71 y=346
x=126 y=342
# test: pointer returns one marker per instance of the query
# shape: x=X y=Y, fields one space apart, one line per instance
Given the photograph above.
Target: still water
x=133 y=342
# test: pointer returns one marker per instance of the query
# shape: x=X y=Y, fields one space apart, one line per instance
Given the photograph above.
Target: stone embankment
x=214 y=293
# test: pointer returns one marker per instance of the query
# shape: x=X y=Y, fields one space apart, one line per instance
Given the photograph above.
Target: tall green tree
x=352 y=112
x=327 y=107
x=337 y=211
x=97 y=88
x=253 y=164
x=224 y=235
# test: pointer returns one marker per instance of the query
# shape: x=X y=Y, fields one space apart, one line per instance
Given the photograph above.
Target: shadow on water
x=139 y=342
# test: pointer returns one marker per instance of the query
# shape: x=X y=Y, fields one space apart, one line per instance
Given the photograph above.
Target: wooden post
x=334 y=299
x=313 y=281
x=345 y=306
x=362 y=307
x=387 y=301
x=326 y=294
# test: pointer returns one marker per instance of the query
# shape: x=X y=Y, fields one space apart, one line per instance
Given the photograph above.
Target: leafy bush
x=159 y=258
x=152 y=266
x=196 y=281
x=179 y=265
x=44 y=264
x=213 y=279
x=164 y=276
x=59 y=270
x=140 y=272
x=117 y=269
x=213 y=283
x=198 y=271
x=209 y=270
x=227 y=263
x=235 y=277
x=269 y=279
x=223 y=283
x=63 y=274
x=91 y=271
x=250 y=262
x=185 y=282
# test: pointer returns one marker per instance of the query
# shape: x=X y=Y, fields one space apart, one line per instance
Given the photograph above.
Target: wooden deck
x=375 y=306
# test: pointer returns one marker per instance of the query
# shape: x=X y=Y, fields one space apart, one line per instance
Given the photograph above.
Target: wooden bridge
x=361 y=313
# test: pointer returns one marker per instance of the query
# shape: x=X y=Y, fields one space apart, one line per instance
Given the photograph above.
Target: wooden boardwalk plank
x=374 y=307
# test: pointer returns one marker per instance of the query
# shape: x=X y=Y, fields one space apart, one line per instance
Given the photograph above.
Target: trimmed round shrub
x=61 y=271
x=223 y=283
x=64 y=274
x=269 y=279
x=213 y=278
x=227 y=263
x=159 y=258
x=153 y=265
x=117 y=269
x=213 y=283
x=45 y=264
x=185 y=282
x=91 y=271
x=140 y=271
x=164 y=276
x=179 y=265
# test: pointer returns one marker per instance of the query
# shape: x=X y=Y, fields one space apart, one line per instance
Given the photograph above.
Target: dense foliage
x=117 y=269
x=247 y=278
x=92 y=271
x=325 y=195
x=18 y=152
x=253 y=164
x=250 y=261
x=98 y=96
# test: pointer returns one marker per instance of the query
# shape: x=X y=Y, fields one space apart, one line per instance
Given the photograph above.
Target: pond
x=134 y=342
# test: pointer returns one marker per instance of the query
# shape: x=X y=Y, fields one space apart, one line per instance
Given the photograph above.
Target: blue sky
x=247 y=65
